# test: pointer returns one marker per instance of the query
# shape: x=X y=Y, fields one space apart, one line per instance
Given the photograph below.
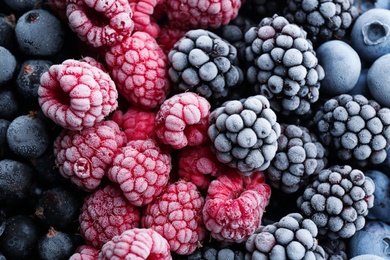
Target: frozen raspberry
x=107 y=213
x=139 y=68
x=142 y=170
x=198 y=164
x=168 y=36
x=177 y=216
x=85 y=252
x=136 y=244
x=235 y=205
x=137 y=123
x=93 y=62
x=84 y=156
x=75 y=94
x=183 y=120
x=201 y=14
x=100 y=23
x=142 y=16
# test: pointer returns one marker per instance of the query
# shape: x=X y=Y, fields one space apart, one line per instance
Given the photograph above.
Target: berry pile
x=173 y=129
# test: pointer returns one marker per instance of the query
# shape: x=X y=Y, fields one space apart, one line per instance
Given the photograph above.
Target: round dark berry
x=21 y=6
x=7 y=32
x=9 y=104
x=55 y=245
x=7 y=66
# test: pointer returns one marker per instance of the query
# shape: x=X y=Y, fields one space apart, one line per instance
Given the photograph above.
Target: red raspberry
x=201 y=14
x=75 y=94
x=198 y=164
x=235 y=205
x=142 y=16
x=137 y=123
x=85 y=252
x=183 y=120
x=107 y=213
x=139 y=68
x=177 y=216
x=84 y=156
x=168 y=36
x=93 y=62
x=85 y=19
x=142 y=170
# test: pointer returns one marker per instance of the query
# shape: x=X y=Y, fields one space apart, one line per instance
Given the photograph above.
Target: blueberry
x=4 y=124
x=378 y=79
x=367 y=257
x=341 y=64
x=9 y=104
x=20 y=6
x=361 y=86
x=7 y=31
x=55 y=245
x=370 y=34
x=29 y=29
x=7 y=65
x=381 y=208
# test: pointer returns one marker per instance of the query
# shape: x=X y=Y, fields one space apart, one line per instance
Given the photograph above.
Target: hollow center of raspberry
x=97 y=18
x=61 y=96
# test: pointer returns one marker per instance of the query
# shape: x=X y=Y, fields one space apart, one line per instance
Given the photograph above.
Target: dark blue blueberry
x=381 y=208
x=39 y=33
x=3 y=131
x=20 y=6
x=9 y=104
x=55 y=245
x=7 y=31
x=378 y=77
x=8 y=65
x=46 y=170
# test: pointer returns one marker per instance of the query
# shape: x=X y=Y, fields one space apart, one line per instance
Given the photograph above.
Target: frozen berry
x=9 y=104
x=7 y=31
x=85 y=252
x=143 y=18
x=55 y=245
x=7 y=66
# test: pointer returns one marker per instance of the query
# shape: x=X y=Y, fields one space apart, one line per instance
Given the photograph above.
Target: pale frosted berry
x=75 y=94
x=85 y=252
x=84 y=18
x=235 y=205
x=106 y=213
x=143 y=16
x=183 y=120
x=141 y=169
x=138 y=65
x=136 y=244
x=177 y=216
x=84 y=156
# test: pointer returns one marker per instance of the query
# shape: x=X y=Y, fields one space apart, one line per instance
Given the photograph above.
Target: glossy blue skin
x=373 y=239
x=381 y=208
x=370 y=34
x=342 y=67
x=378 y=78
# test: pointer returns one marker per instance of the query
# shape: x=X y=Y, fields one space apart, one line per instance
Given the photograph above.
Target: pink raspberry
x=98 y=22
x=142 y=171
x=85 y=252
x=143 y=16
x=84 y=156
x=93 y=62
x=235 y=205
x=183 y=120
x=199 y=164
x=177 y=216
x=201 y=14
x=168 y=36
x=139 y=68
x=107 y=213
x=136 y=244
x=137 y=123
x=75 y=94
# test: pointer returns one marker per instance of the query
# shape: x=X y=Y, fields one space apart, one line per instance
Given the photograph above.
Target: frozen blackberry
x=216 y=251
x=356 y=128
x=338 y=201
x=323 y=20
x=298 y=157
x=244 y=133
x=204 y=63
x=336 y=249
x=283 y=65
x=292 y=237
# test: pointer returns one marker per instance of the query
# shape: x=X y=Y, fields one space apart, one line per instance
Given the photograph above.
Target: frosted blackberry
x=336 y=249
x=244 y=133
x=356 y=128
x=323 y=20
x=204 y=63
x=298 y=157
x=216 y=251
x=338 y=201
x=283 y=65
x=292 y=237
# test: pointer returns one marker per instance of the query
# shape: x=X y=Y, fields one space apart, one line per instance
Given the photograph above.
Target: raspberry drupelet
x=84 y=156
x=139 y=68
x=85 y=252
x=143 y=16
x=177 y=216
x=75 y=94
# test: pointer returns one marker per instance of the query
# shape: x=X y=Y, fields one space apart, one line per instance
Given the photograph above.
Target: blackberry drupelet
x=356 y=128
x=292 y=237
x=216 y=251
x=323 y=20
x=338 y=201
x=283 y=65
x=204 y=63
x=244 y=133
x=298 y=157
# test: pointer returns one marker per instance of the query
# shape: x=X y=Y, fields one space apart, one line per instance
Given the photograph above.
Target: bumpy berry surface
x=338 y=201
x=107 y=213
x=244 y=133
x=355 y=127
x=85 y=156
x=183 y=120
x=85 y=252
x=283 y=65
x=139 y=68
x=137 y=244
x=177 y=216
x=75 y=94
x=142 y=170
x=235 y=205
x=143 y=16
